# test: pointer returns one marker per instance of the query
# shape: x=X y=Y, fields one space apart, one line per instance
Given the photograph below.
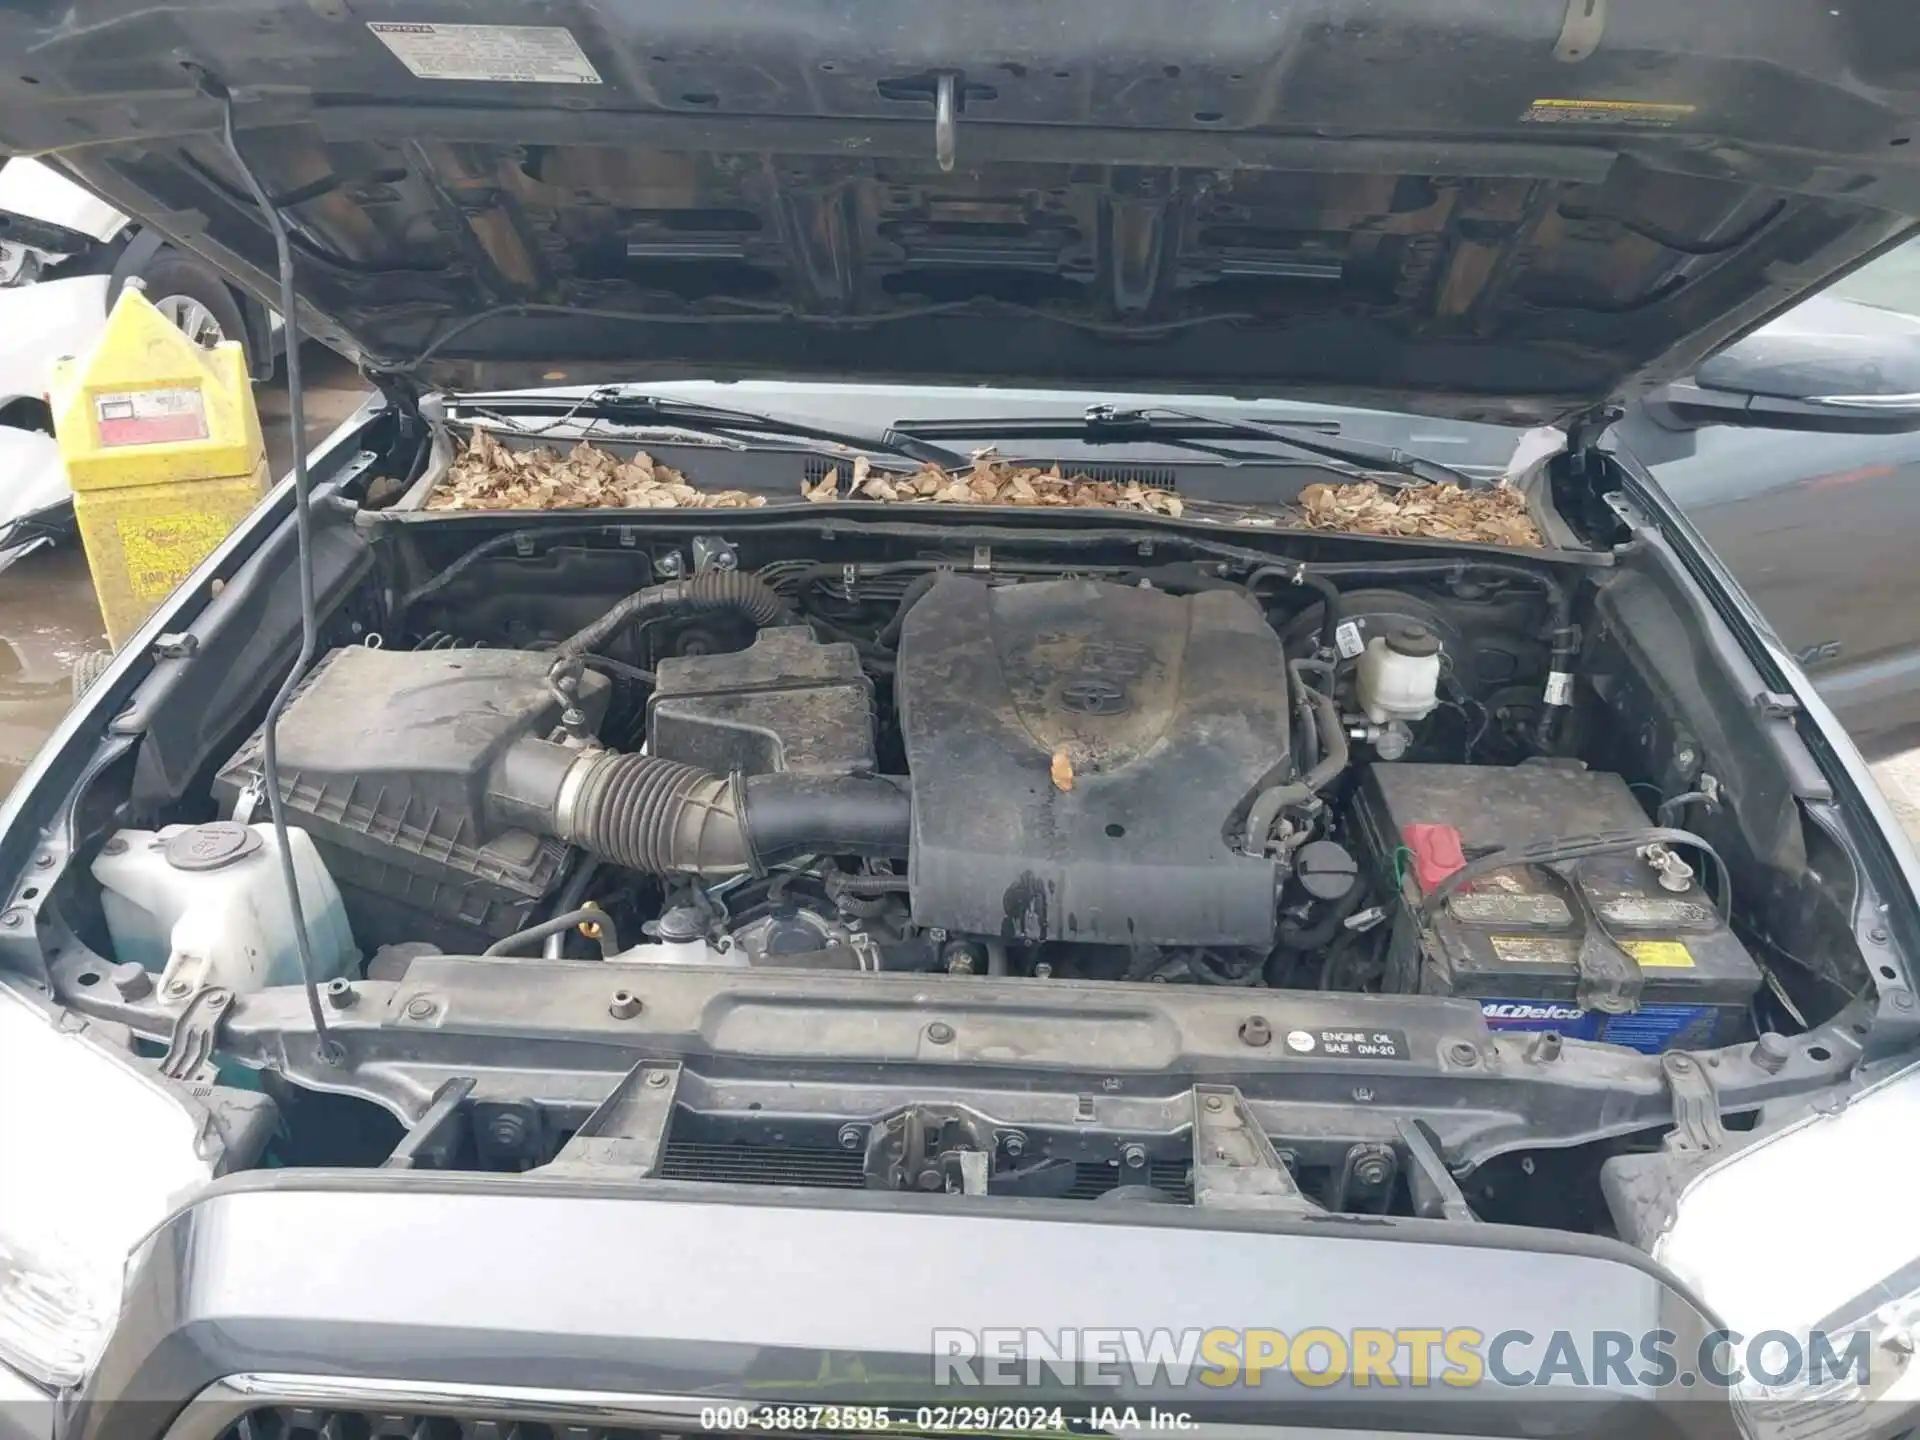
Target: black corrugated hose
x=707 y=592
x=865 y=896
x=665 y=818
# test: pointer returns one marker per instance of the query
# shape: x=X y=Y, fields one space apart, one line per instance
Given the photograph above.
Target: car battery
x=1512 y=939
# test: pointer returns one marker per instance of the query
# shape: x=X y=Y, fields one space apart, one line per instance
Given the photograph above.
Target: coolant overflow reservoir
x=206 y=905
x=1400 y=674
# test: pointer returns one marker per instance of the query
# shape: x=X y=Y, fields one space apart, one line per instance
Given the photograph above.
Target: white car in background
x=64 y=256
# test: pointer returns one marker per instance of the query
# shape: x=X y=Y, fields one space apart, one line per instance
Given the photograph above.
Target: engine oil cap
x=210 y=846
x=1413 y=639
x=1326 y=869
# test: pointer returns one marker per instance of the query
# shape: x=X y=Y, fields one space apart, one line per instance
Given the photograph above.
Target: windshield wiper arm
x=622 y=408
x=1112 y=425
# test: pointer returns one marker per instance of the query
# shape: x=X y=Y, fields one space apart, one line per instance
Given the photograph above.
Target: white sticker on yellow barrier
x=150 y=417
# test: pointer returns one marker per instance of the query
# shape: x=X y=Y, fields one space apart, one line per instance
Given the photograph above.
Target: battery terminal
x=1673 y=873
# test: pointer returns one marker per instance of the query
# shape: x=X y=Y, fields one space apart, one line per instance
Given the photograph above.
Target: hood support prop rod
x=330 y=1050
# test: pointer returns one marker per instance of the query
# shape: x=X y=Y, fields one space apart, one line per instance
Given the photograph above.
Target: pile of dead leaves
x=991 y=481
x=1433 y=512
x=489 y=476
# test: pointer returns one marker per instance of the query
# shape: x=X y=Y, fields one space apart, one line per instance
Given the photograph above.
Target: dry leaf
x=1062 y=769
x=828 y=487
x=488 y=475
x=1435 y=512
x=991 y=480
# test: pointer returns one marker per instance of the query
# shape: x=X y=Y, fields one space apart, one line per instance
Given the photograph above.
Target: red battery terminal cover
x=1437 y=853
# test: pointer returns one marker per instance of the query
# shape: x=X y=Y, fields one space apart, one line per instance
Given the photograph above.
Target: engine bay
x=1098 y=781
x=960 y=858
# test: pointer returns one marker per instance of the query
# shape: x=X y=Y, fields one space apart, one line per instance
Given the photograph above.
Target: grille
x=816 y=1167
x=824 y=1168
x=302 y=1422
x=1154 y=477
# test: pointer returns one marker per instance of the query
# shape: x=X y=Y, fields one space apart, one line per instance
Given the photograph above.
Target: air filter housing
x=385 y=758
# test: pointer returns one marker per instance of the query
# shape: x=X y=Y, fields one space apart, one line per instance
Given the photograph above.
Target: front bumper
x=408 y=1284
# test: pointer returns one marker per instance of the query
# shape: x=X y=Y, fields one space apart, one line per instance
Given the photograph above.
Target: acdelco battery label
x=150 y=417
x=1650 y=1029
x=1540 y=1015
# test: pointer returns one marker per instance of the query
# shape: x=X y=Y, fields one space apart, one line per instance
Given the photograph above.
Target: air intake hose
x=703 y=593
x=665 y=818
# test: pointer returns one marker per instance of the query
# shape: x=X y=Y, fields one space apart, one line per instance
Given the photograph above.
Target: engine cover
x=1083 y=756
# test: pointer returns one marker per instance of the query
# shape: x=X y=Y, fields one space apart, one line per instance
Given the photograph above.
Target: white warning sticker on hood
x=502 y=54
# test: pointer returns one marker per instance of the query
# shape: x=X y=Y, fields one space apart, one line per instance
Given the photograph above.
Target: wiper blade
x=621 y=407
x=1112 y=425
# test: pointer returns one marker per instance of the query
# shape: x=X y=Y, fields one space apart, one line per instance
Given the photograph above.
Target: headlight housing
x=96 y=1154
x=1809 y=1230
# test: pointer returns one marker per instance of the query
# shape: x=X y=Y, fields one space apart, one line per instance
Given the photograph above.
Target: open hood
x=1505 y=209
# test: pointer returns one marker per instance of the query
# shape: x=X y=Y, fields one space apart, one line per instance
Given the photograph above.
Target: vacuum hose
x=665 y=818
x=1332 y=763
x=701 y=593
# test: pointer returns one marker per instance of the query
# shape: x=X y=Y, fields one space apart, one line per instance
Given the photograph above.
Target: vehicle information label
x=499 y=54
x=1349 y=1044
x=150 y=417
x=1346 y=637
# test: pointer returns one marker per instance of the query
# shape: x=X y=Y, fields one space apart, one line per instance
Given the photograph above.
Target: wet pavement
x=47 y=611
x=47 y=617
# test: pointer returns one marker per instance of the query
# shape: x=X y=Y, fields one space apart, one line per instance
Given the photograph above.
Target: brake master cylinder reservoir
x=206 y=905
x=1399 y=675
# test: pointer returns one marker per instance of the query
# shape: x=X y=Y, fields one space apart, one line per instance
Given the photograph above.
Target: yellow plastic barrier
x=163 y=450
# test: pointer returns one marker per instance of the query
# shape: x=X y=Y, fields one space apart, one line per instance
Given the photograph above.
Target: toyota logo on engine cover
x=1093 y=697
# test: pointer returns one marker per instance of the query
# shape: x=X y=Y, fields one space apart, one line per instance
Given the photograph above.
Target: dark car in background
x=1821 y=528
